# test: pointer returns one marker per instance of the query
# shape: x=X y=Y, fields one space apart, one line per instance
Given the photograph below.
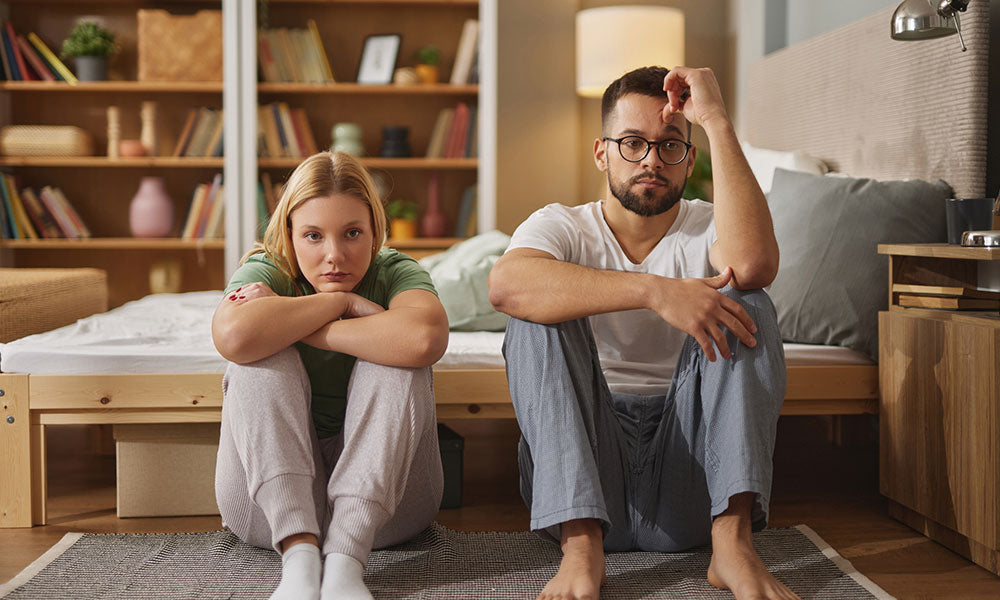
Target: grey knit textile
x=438 y=563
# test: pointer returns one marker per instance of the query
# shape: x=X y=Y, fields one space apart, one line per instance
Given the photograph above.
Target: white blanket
x=171 y=333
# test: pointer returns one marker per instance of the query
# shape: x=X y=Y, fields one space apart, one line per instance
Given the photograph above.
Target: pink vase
x=151 y=213
x=434 y=223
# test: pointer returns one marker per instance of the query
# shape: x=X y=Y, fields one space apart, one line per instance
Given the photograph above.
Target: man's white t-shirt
x=638 y=349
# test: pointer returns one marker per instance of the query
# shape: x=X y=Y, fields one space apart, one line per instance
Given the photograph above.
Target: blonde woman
x=329 y=441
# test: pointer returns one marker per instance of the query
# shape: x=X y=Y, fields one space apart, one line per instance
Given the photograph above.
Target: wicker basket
x=37 y=300
x=180 y=47
x=45 y=140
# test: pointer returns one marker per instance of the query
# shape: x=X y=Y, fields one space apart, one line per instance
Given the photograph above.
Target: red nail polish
x=232 y=297
x=243 y=297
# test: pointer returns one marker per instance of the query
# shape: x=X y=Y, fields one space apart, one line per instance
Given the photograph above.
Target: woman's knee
x=277 y=376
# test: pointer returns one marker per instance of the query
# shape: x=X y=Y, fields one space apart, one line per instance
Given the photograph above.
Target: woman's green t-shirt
x=329 y=372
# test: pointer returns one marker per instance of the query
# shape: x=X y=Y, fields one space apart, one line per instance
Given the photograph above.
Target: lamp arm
x=951 y=8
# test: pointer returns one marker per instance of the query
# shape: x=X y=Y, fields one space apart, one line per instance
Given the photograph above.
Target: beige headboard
x=870 y=106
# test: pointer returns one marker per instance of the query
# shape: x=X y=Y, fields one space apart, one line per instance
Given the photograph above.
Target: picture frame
x=378 y=58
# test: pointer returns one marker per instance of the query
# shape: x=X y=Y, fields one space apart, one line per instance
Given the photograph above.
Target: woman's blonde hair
x=321 y=175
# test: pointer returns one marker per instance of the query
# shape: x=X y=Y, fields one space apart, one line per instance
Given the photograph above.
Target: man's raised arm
x=742 y=220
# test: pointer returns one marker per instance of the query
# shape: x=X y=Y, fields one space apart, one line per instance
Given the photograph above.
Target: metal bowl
x=987 y=239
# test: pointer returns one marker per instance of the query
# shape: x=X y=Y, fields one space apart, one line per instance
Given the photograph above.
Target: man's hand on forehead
x=695 y=94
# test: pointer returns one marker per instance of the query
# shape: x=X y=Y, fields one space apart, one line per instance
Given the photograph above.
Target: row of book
x=455 y=133
x=25 y=215
x=292 y=56
x=206 y=217
x=201 y=135
x=29 y=59
x=284 y=132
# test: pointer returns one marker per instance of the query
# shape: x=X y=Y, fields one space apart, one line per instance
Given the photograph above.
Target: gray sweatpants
x=376 y=484
x=655 y=470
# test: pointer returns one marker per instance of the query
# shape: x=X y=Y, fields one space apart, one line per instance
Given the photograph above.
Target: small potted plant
x=402 y=219
x=91 y=45
x=427 y=59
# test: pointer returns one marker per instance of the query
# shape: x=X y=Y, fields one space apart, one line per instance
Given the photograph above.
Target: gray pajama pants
x=376 y=484
x=655 y=470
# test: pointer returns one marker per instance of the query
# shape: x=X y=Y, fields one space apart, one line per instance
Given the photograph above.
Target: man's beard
x=651 y=201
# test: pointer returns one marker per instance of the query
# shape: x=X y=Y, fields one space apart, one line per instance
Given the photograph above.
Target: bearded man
x=634 y=437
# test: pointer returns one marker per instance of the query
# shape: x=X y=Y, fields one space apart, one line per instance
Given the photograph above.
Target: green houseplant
x=91 y=45
x=428 y=58
x=699 y=184
x=402 y=218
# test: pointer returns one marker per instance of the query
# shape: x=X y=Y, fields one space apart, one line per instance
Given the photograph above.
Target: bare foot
x=735 y=565
x=581 y=571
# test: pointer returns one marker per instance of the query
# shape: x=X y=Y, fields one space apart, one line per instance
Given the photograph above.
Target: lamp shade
x=612 y=40
x=920 y=20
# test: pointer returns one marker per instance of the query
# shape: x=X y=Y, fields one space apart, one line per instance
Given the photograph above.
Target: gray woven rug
x=439 y=563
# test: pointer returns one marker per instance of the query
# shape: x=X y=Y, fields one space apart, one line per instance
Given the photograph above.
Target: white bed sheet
x=171 y=333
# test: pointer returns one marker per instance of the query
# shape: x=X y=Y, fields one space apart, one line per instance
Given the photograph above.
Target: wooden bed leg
x=15 y=452
x=39 y=476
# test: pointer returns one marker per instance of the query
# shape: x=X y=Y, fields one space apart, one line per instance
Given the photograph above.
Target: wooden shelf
x=940 y=251
x=104 y=161
x=115 y=244
x=385 y=163
x=183 y=87
x=441 y=89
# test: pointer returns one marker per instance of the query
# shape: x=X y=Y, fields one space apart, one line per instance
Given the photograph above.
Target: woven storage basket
x=37 y=300
x=180 y=47
x=45 y=140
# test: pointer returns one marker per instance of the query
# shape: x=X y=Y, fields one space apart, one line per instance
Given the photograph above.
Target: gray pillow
x=831 y=282
x=461 y=277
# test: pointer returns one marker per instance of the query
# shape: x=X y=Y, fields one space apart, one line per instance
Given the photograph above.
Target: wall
x=545 y=132
x=809 y=19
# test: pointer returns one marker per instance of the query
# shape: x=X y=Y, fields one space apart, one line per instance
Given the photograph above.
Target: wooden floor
x=833 y=490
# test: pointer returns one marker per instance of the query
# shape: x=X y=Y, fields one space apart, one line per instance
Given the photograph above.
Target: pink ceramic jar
x=151 y=213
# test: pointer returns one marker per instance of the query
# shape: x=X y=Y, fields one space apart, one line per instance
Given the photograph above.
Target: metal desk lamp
x=928 y=19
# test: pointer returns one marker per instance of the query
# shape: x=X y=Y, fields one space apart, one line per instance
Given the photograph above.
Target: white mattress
x=171 y=333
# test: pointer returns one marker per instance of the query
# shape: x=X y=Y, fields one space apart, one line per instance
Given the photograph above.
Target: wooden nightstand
x=939 y=410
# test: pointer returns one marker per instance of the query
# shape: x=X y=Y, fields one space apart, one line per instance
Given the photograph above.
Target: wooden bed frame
x=31 y=403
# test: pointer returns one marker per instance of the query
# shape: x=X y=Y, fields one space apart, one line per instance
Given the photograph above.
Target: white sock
x=343 y=579
x=300 y=574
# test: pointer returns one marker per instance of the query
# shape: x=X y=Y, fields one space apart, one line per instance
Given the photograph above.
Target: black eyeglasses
x=634 y=148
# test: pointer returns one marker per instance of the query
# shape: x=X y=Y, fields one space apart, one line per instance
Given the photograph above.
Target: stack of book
x=292 y=56
x=29 y=59
x=202 y=134
x=455 y=134
x=466 y=68
x=283 y=132
x=946 y=297
x=25 y=215
x=206 y=216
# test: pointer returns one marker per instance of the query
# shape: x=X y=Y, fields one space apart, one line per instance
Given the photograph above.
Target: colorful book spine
x=34 y=60
x=8 y=53
x=302 y=126
x=9 y=209
x=52 y=204
x=185 y=136
x=197 y=200
x=26 y=75
x=323 y=59
x=282 y=134
x=45 y=223
x=5 y=229
x=74 y=216
x=201 y=226
x=47 y=54
x=24 y=224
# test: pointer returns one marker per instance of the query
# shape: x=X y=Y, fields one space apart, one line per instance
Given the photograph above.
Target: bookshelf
x=101 y=188
x=343 y=26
